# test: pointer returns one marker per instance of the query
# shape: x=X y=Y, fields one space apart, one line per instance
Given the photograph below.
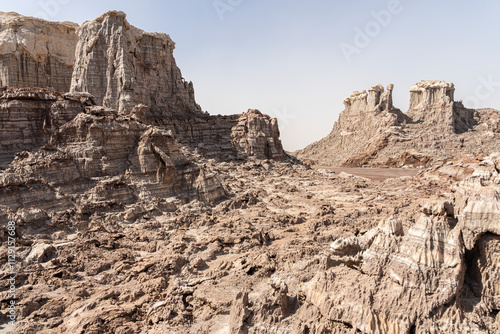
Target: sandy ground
x=376 y=174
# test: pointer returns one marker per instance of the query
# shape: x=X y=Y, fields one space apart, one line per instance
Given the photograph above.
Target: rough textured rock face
x=424 y=279
x=432 y=105
x=36 y=53
x=28 y=118
x=257 y=135
x=427 y=94
x=434 y=129
x=258 y=261
x=479 y=201
x=123 y=66
x=100 y=159
x=163 y=219
x=126 y=69
x=366 y=120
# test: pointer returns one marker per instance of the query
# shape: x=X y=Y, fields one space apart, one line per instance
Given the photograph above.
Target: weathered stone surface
x=426 y=94
x=432 y=105
x=36 y=53
x=478 y=198
x=121 y=66
x=365 y=121
x=426 y=264
x=100 y=158
x=257 y=135
x=434 y=129
x=28 y=118
x=163 y=219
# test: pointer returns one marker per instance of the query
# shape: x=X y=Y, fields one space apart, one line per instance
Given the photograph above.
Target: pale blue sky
x=284 y=57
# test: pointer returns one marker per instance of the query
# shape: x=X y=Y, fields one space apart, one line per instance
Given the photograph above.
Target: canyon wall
x=110 y=63
x=370 y=132
x=122 y=66
x=128 y=131
x=36 y=53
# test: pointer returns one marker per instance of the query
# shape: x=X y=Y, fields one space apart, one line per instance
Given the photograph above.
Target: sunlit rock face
x=432 y=104
x=362 y=126
x=123 y=66
x=440 y=274
x=479 y=201
x=372 y=132
x=29 y=117
x=431 y=92
x=36 y=53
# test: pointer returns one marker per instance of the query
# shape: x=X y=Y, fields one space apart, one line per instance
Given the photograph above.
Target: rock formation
x=366 y=120
x=407 y=254
x=432 y=105
x=434 y=129
x=401 y=281
x=122 y=66
x=36 y=53
x=427 y=94
x=129 y=131
x=145 y=215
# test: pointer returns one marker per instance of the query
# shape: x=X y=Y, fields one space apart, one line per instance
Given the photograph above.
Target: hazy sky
x=297 y=60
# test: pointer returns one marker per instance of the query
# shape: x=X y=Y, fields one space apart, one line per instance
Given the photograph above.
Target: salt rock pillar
x=36 y=53
x=429 y=93
x=123 y=66
x=432 y=103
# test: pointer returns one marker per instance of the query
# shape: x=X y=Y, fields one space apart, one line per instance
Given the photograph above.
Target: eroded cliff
x=122 y=66
x=435 y=128
x=36 y=53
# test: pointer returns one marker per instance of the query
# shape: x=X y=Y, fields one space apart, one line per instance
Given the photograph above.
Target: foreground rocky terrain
x=290 y=250
x=372 y=132
x=136 y=212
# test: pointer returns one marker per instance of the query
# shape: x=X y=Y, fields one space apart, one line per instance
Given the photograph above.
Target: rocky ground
x=133 y=211
x=260 y=261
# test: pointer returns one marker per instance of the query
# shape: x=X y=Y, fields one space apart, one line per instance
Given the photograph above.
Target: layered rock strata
x=365 y=121
x=122 y=66
x=432 y=105
x=127 y=70
x=68 y=152
x=434 y=129
x=259 y=261
x=399 y=280
x=36 y=53
x=29 y=117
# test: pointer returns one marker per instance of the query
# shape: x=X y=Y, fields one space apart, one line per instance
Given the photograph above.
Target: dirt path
x=378 y=174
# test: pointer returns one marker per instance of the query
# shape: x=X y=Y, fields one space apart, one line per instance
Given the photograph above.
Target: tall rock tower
x=123 y=66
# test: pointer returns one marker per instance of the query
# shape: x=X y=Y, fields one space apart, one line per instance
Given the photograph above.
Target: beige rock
x=122 y=66
x=36 y=53
x=257 y=135
x=361 y=127
x=429 y=93
x=370 y=131
x=39 y=253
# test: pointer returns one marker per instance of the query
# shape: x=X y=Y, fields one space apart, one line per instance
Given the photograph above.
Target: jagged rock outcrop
x=479 y=201
x=150 y=216
x=257 y=135
x=29 y=117
x=432 y=105
x=429 y=93
x=434 y=128
x=366 y=120
x=36 y=53
x=122 y=66
x=98 y=157
x=425 y=278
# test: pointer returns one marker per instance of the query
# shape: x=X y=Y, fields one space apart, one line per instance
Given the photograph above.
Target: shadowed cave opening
x=472 y=287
